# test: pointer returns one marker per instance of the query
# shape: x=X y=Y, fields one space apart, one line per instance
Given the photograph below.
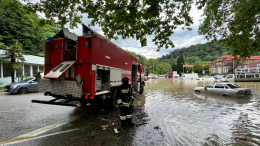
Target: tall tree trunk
x=12 y=73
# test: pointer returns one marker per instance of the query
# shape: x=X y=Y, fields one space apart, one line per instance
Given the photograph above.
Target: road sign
x=203 y=71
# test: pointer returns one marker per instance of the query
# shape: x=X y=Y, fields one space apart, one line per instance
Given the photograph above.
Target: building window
x=35 y=70
x=5 y=72
x=19 y=72
x=41 y=68
x=27 y=70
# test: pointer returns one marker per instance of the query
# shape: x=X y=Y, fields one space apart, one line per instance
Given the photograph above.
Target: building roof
x=189 y=65
x=213 y=61
x=226 y=57
x=230 y=57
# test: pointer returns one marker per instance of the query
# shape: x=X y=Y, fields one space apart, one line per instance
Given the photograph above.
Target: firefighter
x=125 y=100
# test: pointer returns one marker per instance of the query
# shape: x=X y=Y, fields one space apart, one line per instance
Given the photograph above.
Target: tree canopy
x=127 y=18
x=196 y=54
x=17 y=22
x=180 y=64
x=234 y=22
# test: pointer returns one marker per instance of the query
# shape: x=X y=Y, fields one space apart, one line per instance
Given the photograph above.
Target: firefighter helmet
x=125 y=81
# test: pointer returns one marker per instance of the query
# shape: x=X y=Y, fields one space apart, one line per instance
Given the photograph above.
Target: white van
x=189 y=76
x=230 y=77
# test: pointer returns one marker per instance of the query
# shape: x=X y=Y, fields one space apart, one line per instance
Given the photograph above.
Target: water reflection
x=190 y=119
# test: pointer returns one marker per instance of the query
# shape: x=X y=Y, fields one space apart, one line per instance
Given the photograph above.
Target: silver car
x=24 y=86
x=224 y=89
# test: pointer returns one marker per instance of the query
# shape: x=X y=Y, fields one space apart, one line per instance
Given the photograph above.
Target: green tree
x=2 y=45
x=180 y=64
x=161 y=69
x=18 y=22
x=134 y=18
x=141 y=58
x=235 y=22
x=14 y=54
x=197 y=69
x=174 y=67
x=152 y=65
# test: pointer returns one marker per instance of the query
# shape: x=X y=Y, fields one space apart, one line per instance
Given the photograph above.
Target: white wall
x=29 y=60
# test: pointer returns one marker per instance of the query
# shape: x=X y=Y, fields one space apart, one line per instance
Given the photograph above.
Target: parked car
x=155 y=77
x=230 y=77
x=200 y=79
x=24 y=86
x=152 y=76
x=224 y=89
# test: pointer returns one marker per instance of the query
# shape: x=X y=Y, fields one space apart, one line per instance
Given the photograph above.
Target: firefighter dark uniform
x=125 y=100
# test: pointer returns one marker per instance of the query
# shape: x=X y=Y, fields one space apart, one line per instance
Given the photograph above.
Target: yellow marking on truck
x=81 y=89
x=33 y=134
x=78 y=105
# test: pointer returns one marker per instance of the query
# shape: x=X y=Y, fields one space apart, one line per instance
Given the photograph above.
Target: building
x=31 y=66
x=225 y=64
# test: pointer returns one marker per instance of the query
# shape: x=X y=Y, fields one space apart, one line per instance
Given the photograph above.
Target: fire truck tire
x=141 y=88
x=113 y=100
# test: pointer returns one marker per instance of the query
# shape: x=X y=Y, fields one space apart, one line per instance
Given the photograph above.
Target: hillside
x=196 y=54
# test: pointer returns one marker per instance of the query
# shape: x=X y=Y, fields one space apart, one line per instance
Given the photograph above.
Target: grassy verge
x=1 y=88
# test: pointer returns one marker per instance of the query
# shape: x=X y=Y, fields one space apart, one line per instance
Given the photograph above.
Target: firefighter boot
x=123 y=123
x=129 y=122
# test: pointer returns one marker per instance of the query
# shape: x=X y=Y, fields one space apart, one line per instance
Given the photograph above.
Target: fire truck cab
x=85 y=70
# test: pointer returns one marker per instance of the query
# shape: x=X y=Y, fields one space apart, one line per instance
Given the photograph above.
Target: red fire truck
x=170 y=74
x=86 y=70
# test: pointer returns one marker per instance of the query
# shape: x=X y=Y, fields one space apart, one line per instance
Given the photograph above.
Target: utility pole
x=182 y=68
x=153 y=68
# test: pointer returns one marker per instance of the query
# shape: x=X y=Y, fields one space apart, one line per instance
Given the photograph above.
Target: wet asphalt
x=25 y=123
x=167 y=113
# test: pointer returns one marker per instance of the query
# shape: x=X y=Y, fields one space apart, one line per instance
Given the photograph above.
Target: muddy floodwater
x=178 y=116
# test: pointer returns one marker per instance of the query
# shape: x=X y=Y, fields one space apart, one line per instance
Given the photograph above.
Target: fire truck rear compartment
x=102 y=80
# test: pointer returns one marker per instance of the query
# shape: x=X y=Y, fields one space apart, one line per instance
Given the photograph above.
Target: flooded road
x=182 y=117
x=167 y=113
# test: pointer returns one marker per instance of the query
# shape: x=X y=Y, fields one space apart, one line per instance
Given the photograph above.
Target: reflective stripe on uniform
x=119 y=101
x=122 y=117
x=132 y=97
x=129 y=116
x=126 y=104
x=125 y=90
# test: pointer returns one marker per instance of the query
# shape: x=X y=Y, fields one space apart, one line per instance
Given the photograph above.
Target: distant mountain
x=196 y=54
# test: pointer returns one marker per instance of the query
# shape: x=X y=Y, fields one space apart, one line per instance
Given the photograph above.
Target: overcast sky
x=180 y=38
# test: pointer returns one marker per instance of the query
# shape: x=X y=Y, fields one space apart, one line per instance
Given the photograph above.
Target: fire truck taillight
x=89 y=97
